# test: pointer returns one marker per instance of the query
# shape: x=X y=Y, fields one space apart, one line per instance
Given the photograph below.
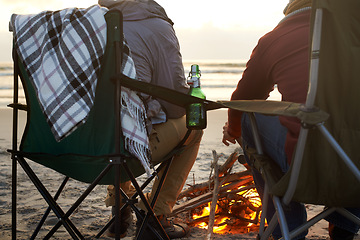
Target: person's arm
x=256 y=83
x=227 y=138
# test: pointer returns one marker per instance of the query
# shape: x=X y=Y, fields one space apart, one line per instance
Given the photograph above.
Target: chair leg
x=79 y=201
x=265 y=202
x=63 y=217
x=117 y=198
x=14 y=144
x=270 y=228
x=130 y=201
x=161 y=183
x=281 y=218
x=311 y=222
x=49 y=209
x=150 y=212
x=46 y=195
x=153 y=202
x=14 y=197
x=348 y=215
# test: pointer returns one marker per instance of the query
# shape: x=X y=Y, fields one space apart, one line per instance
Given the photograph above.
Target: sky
x=206 y=29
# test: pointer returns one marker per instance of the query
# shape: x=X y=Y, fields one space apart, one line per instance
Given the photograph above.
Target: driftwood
x=203 y=187
x=231 y=177
x=214 y=196
x=206 y=197
x=228 y=163
x=224 y=174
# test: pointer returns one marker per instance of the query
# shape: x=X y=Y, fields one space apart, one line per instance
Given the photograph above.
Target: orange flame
x=221 y=225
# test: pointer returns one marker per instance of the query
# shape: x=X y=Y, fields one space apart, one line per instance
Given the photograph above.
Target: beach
x=93 y=214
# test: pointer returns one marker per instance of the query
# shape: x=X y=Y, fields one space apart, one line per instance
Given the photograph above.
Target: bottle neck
x=195 y=83
x=195 y=70
x=194 y=76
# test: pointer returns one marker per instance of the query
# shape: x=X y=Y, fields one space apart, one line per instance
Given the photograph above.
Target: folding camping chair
x=93 y=153
x=320 y=153
x=325 y=167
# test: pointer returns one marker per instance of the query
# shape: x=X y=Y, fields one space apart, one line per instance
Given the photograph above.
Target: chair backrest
x=324 y=178
x=87 y=151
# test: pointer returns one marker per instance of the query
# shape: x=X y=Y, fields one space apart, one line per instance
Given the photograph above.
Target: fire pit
x=227 y=203
x=235 y=213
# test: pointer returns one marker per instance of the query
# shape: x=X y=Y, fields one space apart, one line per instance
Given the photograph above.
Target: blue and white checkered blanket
x=62 y=52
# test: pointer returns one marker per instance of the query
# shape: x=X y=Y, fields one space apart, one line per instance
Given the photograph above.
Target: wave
x=5 y=74
x=6 y=66
x=224 y=71
x=217 y=63
x=219 y=86
x=224 y=65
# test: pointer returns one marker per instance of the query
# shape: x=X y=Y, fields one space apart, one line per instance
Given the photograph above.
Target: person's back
x=282 y=58
x=156 y=53
x=155 y=50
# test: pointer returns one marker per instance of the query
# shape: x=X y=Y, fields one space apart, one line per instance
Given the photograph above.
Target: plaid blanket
x=62 y=51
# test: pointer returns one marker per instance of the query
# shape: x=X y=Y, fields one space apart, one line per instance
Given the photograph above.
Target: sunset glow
x=202 y=26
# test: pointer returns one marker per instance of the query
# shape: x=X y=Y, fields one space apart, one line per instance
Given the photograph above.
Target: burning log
x=244 y=221
x=233 y=197
x=206 y=197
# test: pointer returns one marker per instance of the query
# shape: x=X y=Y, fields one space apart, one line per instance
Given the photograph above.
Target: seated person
x=156 y=54
x=281 y=57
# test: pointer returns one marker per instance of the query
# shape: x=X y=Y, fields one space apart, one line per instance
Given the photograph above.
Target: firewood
x=232 y=194
x=214 y=196
x=193 y=222
x=203 y=187
x=228 y=163
x=206 y=197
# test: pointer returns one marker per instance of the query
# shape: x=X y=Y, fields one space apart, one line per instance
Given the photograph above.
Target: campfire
x=227 y=203
x=236 y=213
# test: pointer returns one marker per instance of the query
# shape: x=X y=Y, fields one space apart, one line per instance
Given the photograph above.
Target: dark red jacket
x=281 y=57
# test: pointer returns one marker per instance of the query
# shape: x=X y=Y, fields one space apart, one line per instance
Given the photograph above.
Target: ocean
x=218 y=79
x=6 y=85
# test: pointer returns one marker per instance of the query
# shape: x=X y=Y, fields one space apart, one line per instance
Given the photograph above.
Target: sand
x=92 y=214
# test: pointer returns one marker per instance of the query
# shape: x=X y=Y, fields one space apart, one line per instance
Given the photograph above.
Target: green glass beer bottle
x=195 y=113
